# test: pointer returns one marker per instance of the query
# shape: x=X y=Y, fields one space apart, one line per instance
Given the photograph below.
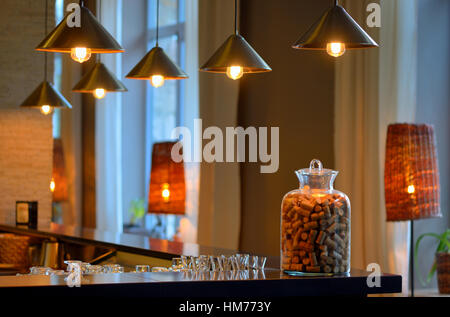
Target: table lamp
x=167 y=194
x=411 y=177
x=58 y=183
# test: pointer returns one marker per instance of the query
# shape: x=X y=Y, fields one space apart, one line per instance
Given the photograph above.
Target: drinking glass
x=216 y=264
x=39 y=270
x=185 y=262
x=262 y=262
x=94 y=269
x=142 y=268
x=227 y=262
x=118 y=269
x=242 y=261
x=203 y=263
x=254 y=262
x=160 y=269
x=194 y=263
x=177 y=264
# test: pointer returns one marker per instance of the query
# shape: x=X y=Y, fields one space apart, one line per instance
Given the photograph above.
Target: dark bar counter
x=267 y=283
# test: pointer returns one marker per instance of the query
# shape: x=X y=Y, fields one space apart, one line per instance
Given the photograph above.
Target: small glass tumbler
x=160 y=269
x=118 y=269
x=39 y=270
x=242 y=261
x=94 y=269
x=194 y=263
x=185 y=262
x=216 y=264
x=262 y=262
x=177 y=264
x=142 y=268
x=203 y=263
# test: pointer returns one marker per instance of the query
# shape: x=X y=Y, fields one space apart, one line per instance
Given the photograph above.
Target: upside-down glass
x=242 y=261
x=39 y=270
x=142 y=268
x=315 y=225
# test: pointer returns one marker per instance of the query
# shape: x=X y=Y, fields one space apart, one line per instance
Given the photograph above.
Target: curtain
x=219 y=200
x=373 y=88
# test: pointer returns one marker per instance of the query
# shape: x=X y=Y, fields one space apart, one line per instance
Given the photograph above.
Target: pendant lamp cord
x=157 y=21
x=98 y=57
x=235 y=17
x=45 y=34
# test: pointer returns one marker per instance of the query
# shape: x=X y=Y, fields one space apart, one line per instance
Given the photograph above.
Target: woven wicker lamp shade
x=167 y=194
x=411 y=176
x=59 y=178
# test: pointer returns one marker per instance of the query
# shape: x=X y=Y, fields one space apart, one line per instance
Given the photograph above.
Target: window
x=165 y=105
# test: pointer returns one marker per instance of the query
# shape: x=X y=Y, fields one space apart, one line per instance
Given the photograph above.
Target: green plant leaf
x=444 y=245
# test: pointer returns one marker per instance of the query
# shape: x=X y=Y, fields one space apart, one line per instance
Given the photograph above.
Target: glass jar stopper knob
x=313 y=168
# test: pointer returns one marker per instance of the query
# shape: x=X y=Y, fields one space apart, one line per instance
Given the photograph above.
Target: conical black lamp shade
x=46 y=95
x=91 y=34
x=236 y=52
x=337 y=26
x=99 y=77
x=156 y=62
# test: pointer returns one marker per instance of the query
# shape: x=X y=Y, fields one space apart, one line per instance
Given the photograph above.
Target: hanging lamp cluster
x=100 y=80
x=335 y=32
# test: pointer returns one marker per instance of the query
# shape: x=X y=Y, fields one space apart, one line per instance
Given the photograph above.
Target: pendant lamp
x=45 y=97
x=235 y=57
x=156 y=66
x=90 y=37
x=336 y=31
x=99 y=80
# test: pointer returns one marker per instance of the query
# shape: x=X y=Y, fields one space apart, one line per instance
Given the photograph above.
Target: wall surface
x=297 y=96
x=26 y=148
x=25 y=135
x=433 y=107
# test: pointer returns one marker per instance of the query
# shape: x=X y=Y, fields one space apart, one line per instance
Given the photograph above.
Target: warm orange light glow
x=235 y=72
x=46 y=109
x=99 y=93
x=80 y=54
x=336 y=49
x=165 y=192
x=52 y=185
x=411 y=189
x=157 y=81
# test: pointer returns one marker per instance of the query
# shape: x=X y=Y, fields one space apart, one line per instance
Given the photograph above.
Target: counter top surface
x=136 y=243
x=270 y=282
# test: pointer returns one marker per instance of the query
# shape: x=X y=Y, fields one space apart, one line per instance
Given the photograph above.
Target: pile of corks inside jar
x=315 y=233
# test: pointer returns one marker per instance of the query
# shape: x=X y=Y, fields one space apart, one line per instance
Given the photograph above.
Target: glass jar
x=315 y=225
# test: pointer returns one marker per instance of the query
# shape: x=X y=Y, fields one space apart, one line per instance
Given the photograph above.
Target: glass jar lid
x=316 y=168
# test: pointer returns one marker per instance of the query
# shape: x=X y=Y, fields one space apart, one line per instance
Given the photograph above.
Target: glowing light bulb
x=157 y=81
x=411 y=189
x=80 y=54
x=336 y=49
x=99 y=93
x=165 y=192
x=52 y=185
x=235 y=72
x=46 y=109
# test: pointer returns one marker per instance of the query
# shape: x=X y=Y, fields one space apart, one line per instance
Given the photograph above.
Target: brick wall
x=25 y=135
